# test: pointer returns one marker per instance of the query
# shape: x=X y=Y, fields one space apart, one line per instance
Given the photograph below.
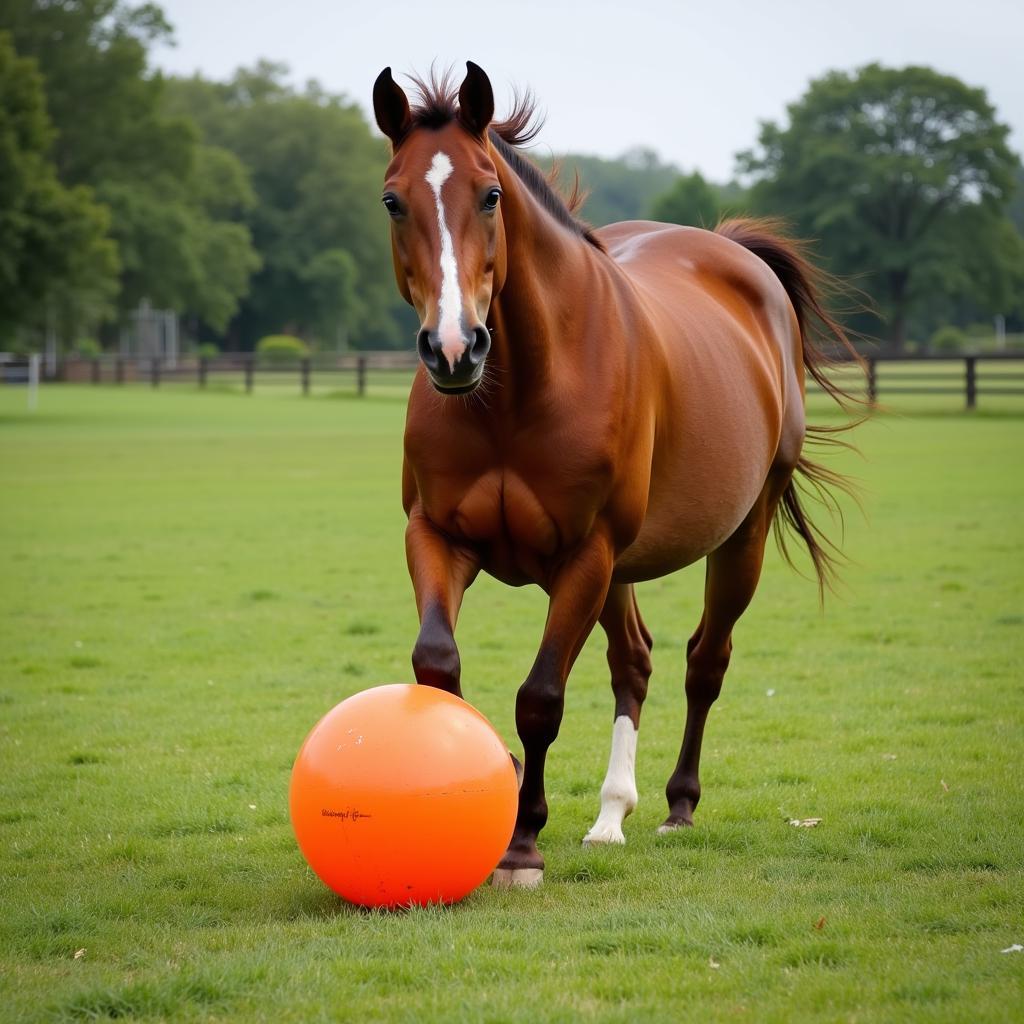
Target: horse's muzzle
x=465 y=375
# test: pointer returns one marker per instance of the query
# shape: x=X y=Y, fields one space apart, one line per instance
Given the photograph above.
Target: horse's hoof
x=517 y=878
x=672 y=824
x=604 y=833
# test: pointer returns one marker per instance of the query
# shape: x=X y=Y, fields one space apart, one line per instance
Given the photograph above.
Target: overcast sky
x=690 y=80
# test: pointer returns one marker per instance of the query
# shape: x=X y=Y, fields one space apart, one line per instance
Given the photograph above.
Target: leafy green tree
x=1015 y=212
x=316 y=169
x=691 y=200
x=103 y=102
x=1016 y=208
x=176 y=209
x=903 y=175
x=332 y=278
x=179 y=244
x=55 y=259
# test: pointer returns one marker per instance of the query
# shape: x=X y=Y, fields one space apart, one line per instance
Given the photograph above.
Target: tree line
x=251 y=206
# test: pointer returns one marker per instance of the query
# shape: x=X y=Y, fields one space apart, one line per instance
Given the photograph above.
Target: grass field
x=190 y=580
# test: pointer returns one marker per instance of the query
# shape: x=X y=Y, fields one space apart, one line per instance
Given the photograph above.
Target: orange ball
x=403 y=794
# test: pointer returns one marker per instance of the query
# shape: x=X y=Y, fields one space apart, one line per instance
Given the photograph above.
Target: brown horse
x=632 y=400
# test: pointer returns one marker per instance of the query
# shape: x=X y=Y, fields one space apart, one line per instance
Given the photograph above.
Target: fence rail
x=351 y=370
x=973 y=376
x=965 y=375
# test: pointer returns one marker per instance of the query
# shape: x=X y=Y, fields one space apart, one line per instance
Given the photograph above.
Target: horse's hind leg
x=731 y=578
x=629 y=658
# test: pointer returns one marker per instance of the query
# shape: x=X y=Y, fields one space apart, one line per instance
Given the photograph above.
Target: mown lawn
x=190 y=580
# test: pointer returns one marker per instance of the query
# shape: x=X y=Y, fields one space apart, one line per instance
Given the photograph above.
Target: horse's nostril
x=481 y=344
x=426 y=350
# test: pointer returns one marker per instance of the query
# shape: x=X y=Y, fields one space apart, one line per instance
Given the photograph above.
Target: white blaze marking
x=618 y=794
x=450 y=302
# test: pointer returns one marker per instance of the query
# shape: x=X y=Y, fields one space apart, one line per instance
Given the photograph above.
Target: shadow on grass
x=318 y=903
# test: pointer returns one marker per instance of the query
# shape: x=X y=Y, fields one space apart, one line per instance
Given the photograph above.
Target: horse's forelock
x=435 y=104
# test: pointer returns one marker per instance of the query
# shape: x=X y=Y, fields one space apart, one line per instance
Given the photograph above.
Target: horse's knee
x=539 y=706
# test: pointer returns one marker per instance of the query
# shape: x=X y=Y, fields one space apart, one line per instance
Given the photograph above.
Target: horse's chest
x=516 y=524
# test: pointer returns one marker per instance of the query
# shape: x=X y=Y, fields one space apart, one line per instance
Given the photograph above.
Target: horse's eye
x=391 y=204
x=491 y=201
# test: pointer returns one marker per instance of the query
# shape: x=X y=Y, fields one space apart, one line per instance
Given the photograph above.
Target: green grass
x=190 y=580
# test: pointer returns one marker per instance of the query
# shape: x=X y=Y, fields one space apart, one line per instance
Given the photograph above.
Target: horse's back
x=697 y=286
x=672 y=264
x=725 y=372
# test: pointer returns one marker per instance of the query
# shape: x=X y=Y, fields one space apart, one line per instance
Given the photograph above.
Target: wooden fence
x=350 y=371
x=971 y=376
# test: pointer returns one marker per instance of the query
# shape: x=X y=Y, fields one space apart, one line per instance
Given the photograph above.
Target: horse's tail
x=805 y=285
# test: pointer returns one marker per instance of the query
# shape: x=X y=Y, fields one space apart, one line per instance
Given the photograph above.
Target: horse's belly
x=672 y=538
x=709 y=467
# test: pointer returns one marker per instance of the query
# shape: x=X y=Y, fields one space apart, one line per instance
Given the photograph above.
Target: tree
x=182 y=243
x=176 y=210
x=103 y=102
x=903 y=175
x=1016 y=208
x=55 y=258
x=316 y=169
x=691 y=200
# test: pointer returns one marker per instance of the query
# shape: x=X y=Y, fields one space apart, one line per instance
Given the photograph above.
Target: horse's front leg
x=577 y=594
x=441 y=571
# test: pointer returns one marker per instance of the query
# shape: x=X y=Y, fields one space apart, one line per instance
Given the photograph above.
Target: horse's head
x=442 y=193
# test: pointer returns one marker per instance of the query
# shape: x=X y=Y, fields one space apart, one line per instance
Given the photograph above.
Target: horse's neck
x=537 y=318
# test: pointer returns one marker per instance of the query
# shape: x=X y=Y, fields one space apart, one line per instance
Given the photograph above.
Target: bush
x=207 y=350
x=88 y=348
x=948 y=339
x=281 y=348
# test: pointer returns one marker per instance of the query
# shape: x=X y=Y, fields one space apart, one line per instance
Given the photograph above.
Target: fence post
x=305 y=375
x=155 y=373
x=872 y=381
x=361 y=376
x=250 y=365
x=119 y=371
x=202 y=371
x=34 y=362
x=95 y=370
x=972 y=381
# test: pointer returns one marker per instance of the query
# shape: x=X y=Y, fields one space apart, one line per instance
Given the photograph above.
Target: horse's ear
x=476 y=100
x=390 y=107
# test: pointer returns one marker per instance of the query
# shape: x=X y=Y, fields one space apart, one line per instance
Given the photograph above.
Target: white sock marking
x=618 y=794
x=450 y=302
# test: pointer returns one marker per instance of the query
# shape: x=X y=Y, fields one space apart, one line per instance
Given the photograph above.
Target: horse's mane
x=437 y=105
